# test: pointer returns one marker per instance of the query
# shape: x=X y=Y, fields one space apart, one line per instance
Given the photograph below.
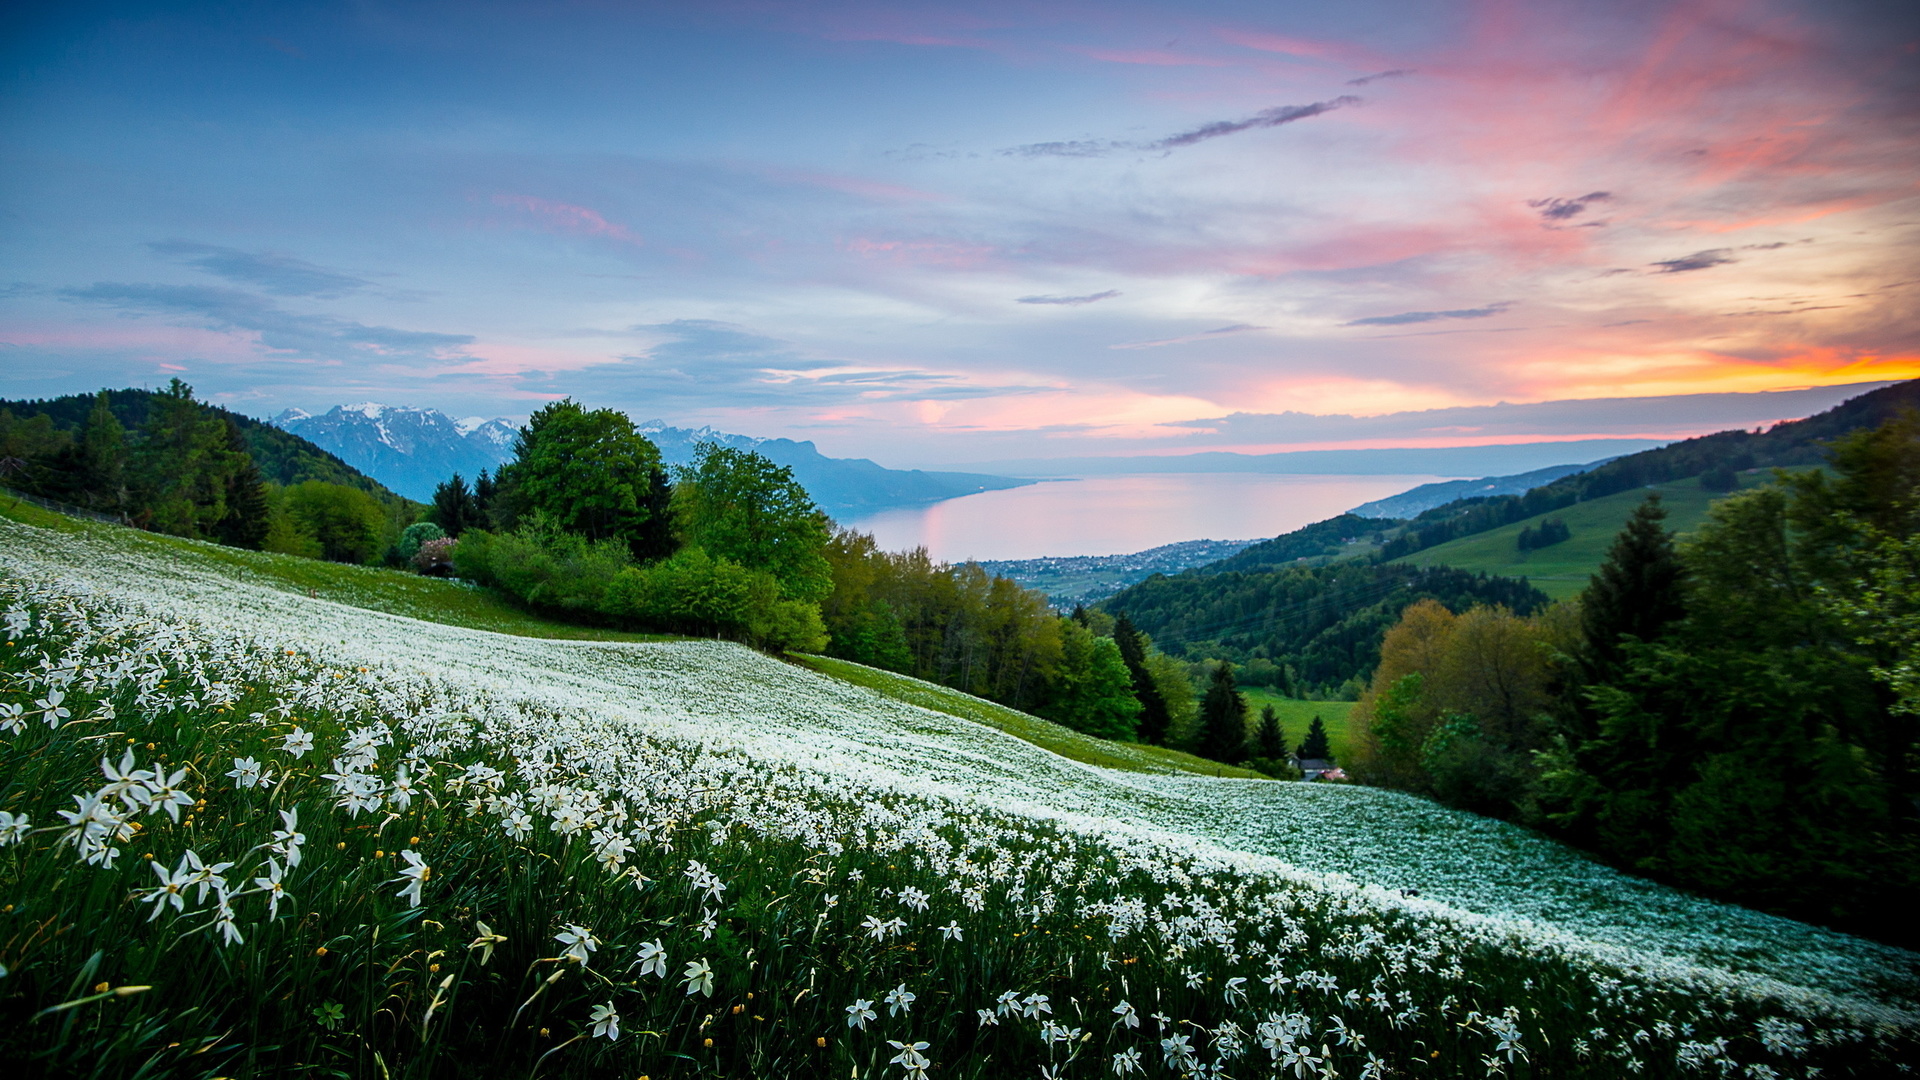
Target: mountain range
x=412 y=450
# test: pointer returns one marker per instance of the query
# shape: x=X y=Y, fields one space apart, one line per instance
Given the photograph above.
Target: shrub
x=435 y=557
x=414 y=535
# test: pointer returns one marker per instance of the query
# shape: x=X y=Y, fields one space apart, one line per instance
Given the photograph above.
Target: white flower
x=653 y=959
x=605 y=1021
x=415 y=874
x=910 y=1058
x=579 y=941
x=987 y=1018
x=13 y=828
x=287 y=841
x=1034 y=1005
x=171 y=890
x=298 y=742
x=11 y=719
x=899 y=1000
x=163 y=793
x=1128 y=1016
x=859 y=1013
x=271 y=884
x=913 y=898
x=699 y=978
x=246 y=773
x=1126 y=1061
x=951 y=932
x=51 y=707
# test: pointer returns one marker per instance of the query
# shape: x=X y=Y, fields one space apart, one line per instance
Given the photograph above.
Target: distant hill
x=1562 y=570
x=1790 y=443
x=1082 y=579
x=414 y=449
x=1427 y=496
x=846 y=488
x=282 y=456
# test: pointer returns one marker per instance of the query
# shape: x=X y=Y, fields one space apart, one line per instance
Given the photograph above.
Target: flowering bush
x=435 y=556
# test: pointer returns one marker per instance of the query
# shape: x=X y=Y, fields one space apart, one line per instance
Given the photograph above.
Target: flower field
x=250 y=832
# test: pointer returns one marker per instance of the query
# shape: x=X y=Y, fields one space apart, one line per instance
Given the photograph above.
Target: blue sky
x=939 y=232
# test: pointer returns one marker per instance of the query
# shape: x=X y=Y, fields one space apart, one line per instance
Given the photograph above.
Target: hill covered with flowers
x=251 y=831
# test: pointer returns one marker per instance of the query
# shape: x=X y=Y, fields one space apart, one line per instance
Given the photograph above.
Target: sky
x=934 y=233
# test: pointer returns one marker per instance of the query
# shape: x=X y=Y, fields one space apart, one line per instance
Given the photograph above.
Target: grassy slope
x=395 y=592
x=1069 y=744
x=1296 y=715
x=1562 y=570
x=433 y=600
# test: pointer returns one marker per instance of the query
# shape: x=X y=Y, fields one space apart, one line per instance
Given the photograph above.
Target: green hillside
x=1562 y=570
x=696 y=860
x=1295 y=716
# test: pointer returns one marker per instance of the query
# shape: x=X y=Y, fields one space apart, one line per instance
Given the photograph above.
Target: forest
x=1736 y=712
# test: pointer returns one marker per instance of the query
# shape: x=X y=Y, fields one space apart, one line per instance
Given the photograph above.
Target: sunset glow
x=935 y=233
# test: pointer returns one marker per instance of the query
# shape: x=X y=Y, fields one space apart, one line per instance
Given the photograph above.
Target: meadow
x=253 y=831
x=1562 y=570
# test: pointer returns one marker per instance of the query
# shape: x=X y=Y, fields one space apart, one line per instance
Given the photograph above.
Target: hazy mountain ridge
x=1415 y=501
x=412 y=449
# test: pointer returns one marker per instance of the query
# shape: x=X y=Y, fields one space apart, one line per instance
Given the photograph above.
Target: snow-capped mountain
x=408 y=449
x=411 y=450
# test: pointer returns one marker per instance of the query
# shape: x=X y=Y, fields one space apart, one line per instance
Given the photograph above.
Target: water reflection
x=1109 y=515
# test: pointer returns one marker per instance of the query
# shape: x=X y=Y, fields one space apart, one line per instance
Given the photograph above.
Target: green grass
x=1069 y=744
x=1562 y=570
x=1296 y=715
x=373 y=588
x=397 y=592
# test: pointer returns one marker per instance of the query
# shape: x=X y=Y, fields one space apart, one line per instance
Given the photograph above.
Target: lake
x=1114 y=515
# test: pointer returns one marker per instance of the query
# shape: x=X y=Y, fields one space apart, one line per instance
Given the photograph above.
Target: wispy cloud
x=567 y=218
x=1090 y=298
x=281 y=275
x=1407 y=318
x=311 y=336
x=1396 y=73
x=1699 y=260
x=1277 y=116
x=1204 y=335
x=1553 y=210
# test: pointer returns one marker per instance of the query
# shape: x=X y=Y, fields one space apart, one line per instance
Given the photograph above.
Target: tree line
x=1733 y=712
x=166 y=462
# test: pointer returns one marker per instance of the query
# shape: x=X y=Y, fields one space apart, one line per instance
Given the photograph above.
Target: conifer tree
x=455 y=509
x=484 y=490
x=1223 y=718
x=1155 y=717
x=246 y=515
x=1637 y=591
x=104 y=457
x=1315 y=746
x=1270 y=739
x=655 y=539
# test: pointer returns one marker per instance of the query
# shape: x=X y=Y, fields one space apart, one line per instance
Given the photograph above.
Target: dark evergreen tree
x=1637 y=592
x=655 y=539
x=1080 y=615
x=455 y=509
x=484 y=492
x=1315 y=746
x=1155 y=717
x=1223 y=718
x=1270 y=739
x=246 y=517
x=104 y=461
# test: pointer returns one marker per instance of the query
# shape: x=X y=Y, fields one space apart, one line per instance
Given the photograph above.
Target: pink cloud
x=567 y=218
